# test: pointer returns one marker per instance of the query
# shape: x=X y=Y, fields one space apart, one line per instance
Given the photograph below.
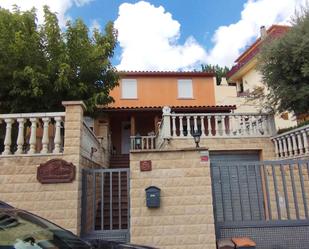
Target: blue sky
x=173 y=34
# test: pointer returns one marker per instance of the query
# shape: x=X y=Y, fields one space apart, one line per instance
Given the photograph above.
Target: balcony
x=219 y=125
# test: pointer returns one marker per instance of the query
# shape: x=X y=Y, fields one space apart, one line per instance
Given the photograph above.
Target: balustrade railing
x=221 y=125
x=31 y=133
x=143 y=142
x=293 y=143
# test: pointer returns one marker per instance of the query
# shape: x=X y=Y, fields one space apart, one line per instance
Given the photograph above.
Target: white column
x=180 y=126
x=304 y=133
x=21 y=136
x=224 y=127
x=166 y=129
x=276 y=147
x=217 y=129
x=250 y=130
x=285 y=149
x=202 y=126
x=195 y=123
x=188 y=126
x=8 y=136
x=209 y=126
x=294 y=144
x=280 y=147
x=45 y=139
x=300 y=143
x=57 y=139
x=32 y=140
x=290 y=147
x=174 y=126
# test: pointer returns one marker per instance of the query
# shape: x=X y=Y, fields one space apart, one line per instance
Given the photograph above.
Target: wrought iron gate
x=105 y=204
x=267 y=201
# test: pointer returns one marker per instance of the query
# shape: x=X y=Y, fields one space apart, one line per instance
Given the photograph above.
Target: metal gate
x=267 y=201
x=105 y=204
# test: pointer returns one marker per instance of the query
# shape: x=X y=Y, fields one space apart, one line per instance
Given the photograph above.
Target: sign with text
x=56 y=171
x=145 y=165
x=204 y=156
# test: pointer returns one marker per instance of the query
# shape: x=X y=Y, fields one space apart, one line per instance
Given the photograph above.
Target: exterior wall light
x=197 y=138
x=138 y=141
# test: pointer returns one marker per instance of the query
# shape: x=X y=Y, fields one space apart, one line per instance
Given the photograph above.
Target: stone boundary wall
x=61 y=202
x=185 y=218
x=264 y=145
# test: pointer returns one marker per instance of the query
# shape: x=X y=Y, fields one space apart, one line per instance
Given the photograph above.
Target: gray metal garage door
x=237 y=189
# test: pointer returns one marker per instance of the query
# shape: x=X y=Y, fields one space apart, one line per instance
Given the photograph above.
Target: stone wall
x=264 y=145
x=185 y=218
x=60 y=203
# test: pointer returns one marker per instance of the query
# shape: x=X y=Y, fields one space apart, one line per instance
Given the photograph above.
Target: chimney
x=263 y=32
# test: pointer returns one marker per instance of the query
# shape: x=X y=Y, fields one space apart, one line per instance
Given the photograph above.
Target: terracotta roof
x=274 y=31
x=159 y=108
x=167 y=73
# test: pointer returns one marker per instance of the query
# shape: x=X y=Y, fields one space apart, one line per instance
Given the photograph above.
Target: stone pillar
x=73 y=128
x=185 y=217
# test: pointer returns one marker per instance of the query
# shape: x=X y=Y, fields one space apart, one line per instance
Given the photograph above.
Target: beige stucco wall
x=60 y=203
x=185 y=218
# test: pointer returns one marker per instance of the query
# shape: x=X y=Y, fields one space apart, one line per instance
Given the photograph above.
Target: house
x=205 y=165
x=247 y=78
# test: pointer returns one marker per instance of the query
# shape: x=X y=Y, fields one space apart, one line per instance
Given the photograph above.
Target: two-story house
x=247 y=78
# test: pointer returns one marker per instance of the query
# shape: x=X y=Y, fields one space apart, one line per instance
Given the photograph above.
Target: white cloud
x=59 y=6
x=149 y=38
x=95 y=25
x=230 y=40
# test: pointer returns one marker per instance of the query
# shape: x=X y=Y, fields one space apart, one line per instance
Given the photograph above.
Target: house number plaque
x=56 y=171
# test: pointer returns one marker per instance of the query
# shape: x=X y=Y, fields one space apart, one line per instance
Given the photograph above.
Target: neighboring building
x=247 y=77
x=163 y=165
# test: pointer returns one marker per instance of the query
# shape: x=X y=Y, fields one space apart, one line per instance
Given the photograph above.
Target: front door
x=125 y=137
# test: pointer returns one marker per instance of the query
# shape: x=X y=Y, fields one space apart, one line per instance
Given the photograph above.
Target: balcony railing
x=292 y=144
x=221 y=125
x=91 y=147
x=143 y=142
x=31 y=133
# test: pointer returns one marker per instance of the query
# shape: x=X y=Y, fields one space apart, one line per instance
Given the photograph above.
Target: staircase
x=115 y=205
x=119 y=161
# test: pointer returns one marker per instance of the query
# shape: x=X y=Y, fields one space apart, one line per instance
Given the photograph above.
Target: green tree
x=42 y=65
x=219 y=71
x=284 y=64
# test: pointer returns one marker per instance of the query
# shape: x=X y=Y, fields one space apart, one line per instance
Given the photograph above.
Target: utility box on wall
x=153 y=197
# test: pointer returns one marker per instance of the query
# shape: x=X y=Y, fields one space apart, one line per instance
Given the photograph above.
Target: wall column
x=133 y=129
x=73 y=127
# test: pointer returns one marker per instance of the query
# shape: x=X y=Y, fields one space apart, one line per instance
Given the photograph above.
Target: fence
x=293 y=143
x=267 y=201
x=31 y=133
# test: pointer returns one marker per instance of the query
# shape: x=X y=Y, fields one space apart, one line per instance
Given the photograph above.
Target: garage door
x=237 y=188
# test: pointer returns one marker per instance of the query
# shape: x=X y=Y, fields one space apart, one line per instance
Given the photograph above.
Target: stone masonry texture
x=185 y=217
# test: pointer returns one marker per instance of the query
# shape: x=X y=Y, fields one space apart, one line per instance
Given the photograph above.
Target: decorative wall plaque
x=56 y=171
x=145 y=165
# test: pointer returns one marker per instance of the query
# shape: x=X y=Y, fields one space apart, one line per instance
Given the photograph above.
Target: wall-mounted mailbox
x=153 y=197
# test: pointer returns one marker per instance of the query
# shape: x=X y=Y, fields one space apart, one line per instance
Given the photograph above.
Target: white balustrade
x=31 y=133
x=292 y=144
x=143 y=142
x=220 y=125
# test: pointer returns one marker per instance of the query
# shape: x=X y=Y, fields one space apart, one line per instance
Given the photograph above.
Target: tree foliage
x=284 y=64
x=42 y=65
x=219 y=71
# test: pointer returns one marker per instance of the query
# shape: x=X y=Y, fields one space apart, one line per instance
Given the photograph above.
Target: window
x=129 y=89
x=185 y=89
